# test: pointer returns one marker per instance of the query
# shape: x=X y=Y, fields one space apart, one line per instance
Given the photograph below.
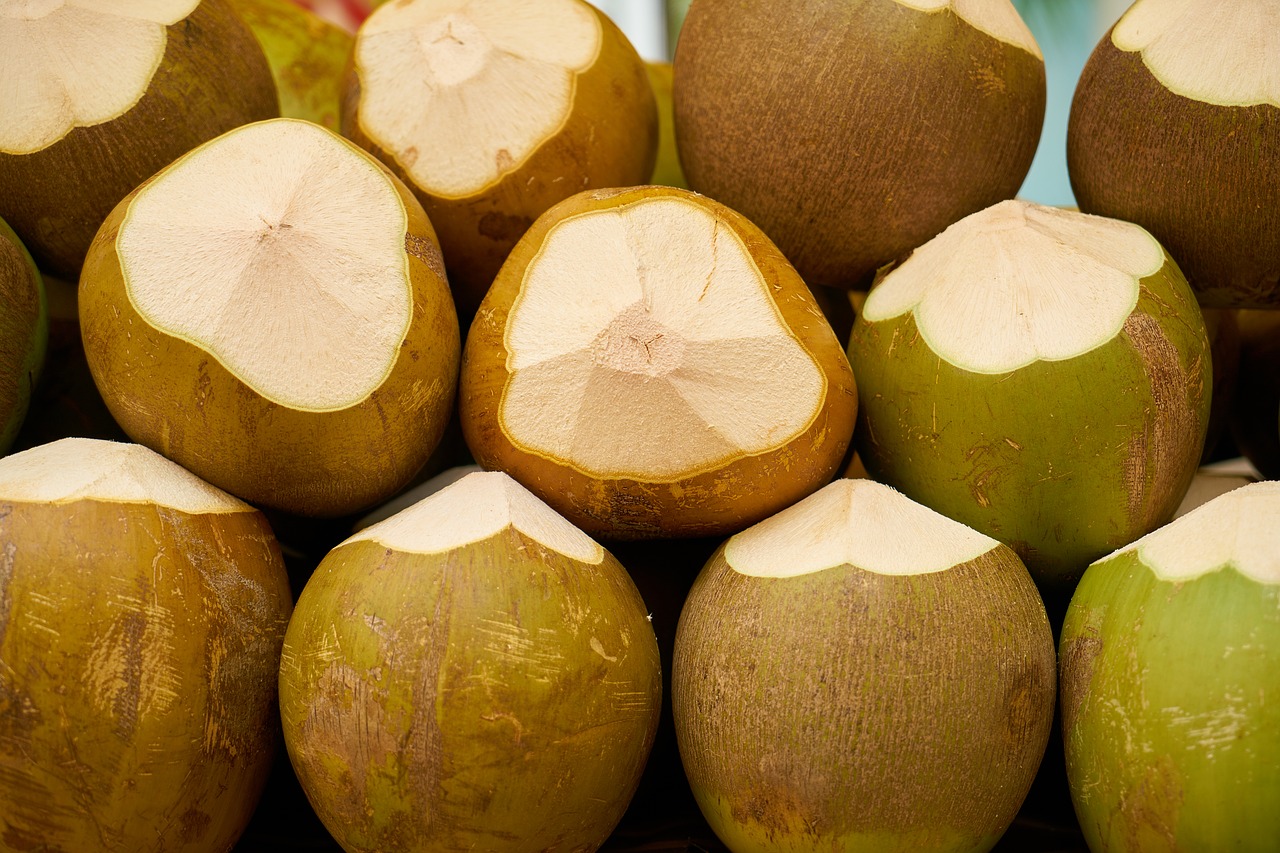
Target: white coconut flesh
x=1223 y=52
x=1240 y=529
x=1019 y=282
x=858 y=523
x=473 y=509
x=997 y=18
x=462 y=92
x=645 y=344
x=76 y=63
x=279 y=249
x=84 y=469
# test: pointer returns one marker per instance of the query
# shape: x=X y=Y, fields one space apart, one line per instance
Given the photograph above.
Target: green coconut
x=473 y=672
x=853 y=132
x=271 y=312
x=141 y=617
x=859 y=673
x=1175 y=125
x=1170 y=654
x=1040 y=375
x=99 y=96
x=24 y=333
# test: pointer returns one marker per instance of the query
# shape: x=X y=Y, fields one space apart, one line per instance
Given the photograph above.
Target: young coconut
x=24 y=333
x=141 y=617
x=1170 y=657
x=494 y=111
x=830 y=690
x=649 y=364
x=853 y=132
x=1040 y=375
x=97 y=96
x=271 y=313
x=471 y=672
x=1175 y=125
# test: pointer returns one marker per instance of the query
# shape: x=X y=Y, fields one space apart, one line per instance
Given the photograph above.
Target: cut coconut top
x=1240 y=529
x=461 y=92
x=76 y=63
x=1019 y=282
x=86 y=469
x=645 y=344
x=1224 y=52
x=997 y=18
x=475 y=508
x=278 y=248
x=859 y=523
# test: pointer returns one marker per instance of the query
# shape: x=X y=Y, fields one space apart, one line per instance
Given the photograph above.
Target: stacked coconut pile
x=462 y=244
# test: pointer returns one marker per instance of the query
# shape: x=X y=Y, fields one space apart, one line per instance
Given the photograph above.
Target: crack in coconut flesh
x=1169 y=651
x=1040 y=375
x=24 y=333
x=141 y=610
x=473 y=671
x=507 y=100
x=97 y=97
x=830 y=692
x=1199 y=82
x=289 y=284
x=651 y=366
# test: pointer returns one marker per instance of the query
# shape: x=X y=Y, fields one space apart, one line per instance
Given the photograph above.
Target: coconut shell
x=24 y=333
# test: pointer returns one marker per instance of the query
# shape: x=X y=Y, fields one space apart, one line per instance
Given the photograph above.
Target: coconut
x=493 y=112
x=1170 y=652
x=100 y=96
x=471 y=672
x=271 y=312
x=650 y=365
x=830 y=690
x=1175 y=125
x=141 y=617
x=24 y=332
x=1254 y=422
x=1040 y=375
x=853 y=132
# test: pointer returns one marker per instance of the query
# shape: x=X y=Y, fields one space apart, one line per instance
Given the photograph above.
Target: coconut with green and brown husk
x=650 y=365
x=493 y=112
x=271 y=312
x=1175 y=125
x=141 y=617
x=853 y=132
x=473 y=672
x=97 y=97
x=1040 y=375
x=1255 y=424
x=860 y=673
x=1170 y=656
x=24 y=332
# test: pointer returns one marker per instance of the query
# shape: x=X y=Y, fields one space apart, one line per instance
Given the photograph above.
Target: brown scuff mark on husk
x=1079 y=655
x=1149 y=812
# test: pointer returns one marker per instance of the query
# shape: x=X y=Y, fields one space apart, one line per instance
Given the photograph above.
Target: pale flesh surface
x=1240 y=529
x=645 y=344
x=85 y=469
x=1019 y=282
x=462 y=92
x=473 y=509
x=858 y=523
x=279 y=249
x=76 y=63
x=997 y=18
x=1224 y=52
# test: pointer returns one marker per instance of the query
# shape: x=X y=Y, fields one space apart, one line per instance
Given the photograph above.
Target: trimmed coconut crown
x=1224 y=52
x=499 y=74
x=84 y=469
x=685 y=346
x=294 y=274
x=998 y=19
x=76 y=63
x=859 y=523
x=473 y=509
x=1240 y=529
x=1020 y=282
